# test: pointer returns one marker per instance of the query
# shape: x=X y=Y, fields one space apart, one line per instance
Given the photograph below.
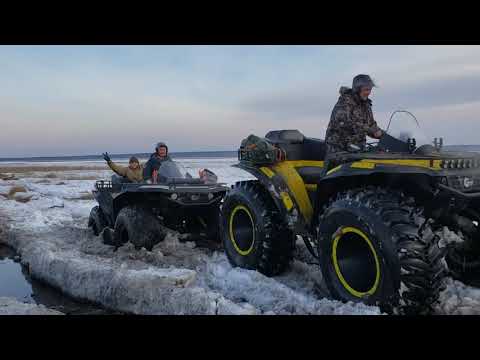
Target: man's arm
x=374 y=130
x=120 y=170
x=147 y=170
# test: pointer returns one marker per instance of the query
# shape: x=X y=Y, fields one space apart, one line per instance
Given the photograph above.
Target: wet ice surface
x=20 y=293
x=11 y=306
x=49 y=231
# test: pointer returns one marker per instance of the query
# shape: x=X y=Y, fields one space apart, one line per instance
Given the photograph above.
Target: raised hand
x=106 y=157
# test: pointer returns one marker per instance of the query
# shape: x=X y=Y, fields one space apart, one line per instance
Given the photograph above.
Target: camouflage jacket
x=351 y=121
x=125 y=171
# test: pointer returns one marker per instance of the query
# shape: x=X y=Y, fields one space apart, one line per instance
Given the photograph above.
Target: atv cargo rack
x=107 y=185
x=261 y=156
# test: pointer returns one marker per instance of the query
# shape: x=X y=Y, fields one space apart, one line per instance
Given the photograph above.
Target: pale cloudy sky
x=74 y=100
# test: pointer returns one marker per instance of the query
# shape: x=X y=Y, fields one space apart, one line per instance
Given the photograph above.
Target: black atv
x=371 y=216
x=140 y=212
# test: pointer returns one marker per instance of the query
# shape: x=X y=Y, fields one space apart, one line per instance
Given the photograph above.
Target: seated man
x=150 y=171
x=131 y=173
x=161 y=167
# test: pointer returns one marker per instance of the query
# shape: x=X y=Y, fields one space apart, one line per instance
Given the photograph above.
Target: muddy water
x=15 y=282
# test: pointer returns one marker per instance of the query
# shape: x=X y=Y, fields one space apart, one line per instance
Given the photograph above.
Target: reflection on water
x=15 y=282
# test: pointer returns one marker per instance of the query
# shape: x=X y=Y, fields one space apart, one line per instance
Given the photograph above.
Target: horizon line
x=100 y=155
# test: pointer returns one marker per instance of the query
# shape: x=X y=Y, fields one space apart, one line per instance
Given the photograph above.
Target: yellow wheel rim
x=348 y=287
x=232 y=235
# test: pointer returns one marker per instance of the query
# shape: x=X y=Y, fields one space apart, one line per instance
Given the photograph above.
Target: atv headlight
x=174 y=196
x=210 y=196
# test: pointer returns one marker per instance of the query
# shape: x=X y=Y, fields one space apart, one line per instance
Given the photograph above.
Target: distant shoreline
x=177 y=155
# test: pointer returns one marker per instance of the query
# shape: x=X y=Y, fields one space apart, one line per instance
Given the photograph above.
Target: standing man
x=352 y=118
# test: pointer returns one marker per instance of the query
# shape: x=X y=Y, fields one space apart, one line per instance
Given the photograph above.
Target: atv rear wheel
x=139 y=226
x=97 y=220
x=253 y=234
x=376 y=247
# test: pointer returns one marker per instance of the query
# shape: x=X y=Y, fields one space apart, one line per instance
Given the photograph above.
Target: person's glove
x=106 y=157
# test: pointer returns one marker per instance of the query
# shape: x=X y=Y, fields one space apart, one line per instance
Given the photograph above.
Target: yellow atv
x=370 y=216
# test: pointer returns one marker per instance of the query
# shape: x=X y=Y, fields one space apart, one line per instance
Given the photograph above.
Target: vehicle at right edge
x=374 y=218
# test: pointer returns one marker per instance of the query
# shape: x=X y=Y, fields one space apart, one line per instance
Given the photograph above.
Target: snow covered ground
x=45 y=221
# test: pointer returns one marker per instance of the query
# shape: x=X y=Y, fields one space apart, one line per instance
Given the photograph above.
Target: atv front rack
x=106 y=185
x=261 y=157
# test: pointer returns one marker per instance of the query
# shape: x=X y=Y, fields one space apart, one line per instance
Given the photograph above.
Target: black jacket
x=152 y=164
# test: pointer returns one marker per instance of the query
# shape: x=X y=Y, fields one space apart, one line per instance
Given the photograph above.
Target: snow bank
x=459 y=299
x=127 y=286
x=271 y=295
x=9 y=306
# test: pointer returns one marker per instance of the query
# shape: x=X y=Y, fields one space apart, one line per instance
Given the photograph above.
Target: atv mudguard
x=105 y=202
x=425 y=175
x=365 y=168
x=423 y=172
x=280 y=194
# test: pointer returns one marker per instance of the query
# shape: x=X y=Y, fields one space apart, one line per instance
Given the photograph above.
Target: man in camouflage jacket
x=352 y=118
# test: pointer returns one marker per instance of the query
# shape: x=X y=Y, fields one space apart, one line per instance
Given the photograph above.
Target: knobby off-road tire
x=97 y=220
x=376 y=247
x=254 y=235
x=463 y=259
x=139 y=226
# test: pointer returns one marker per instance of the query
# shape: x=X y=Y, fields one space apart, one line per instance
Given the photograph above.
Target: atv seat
x=297 y=146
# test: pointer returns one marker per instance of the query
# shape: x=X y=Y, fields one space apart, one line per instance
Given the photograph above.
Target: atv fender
x=346 y=175
x=281 y=196
x=106 y=203
x=360 y=168
x=365 y=169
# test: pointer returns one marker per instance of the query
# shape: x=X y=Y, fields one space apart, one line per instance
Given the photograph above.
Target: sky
x=81 y=100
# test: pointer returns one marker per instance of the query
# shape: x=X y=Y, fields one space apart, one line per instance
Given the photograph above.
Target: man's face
x=365 y=92
x=162 y=151
x=133 y=165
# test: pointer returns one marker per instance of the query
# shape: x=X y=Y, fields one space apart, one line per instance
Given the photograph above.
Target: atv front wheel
x=139 y=226
x=376 y=247
x=253 y=234
x=97 y=220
